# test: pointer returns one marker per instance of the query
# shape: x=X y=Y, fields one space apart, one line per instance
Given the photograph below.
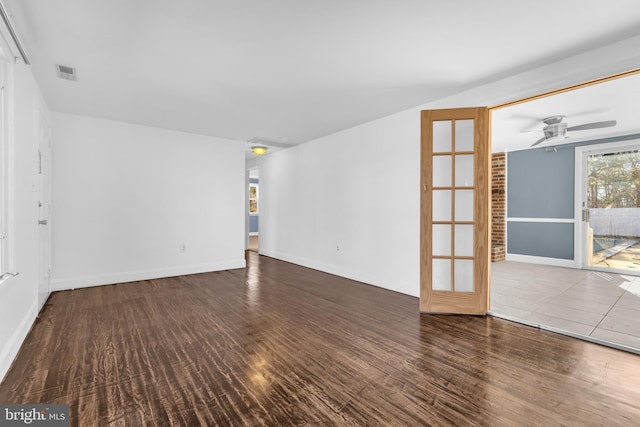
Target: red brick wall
x=498 y=205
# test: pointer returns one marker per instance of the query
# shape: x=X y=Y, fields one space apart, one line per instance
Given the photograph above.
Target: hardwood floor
x=278 y=344
x=253 y=243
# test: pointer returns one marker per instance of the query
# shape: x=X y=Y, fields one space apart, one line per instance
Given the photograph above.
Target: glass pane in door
x=442 y=171
x=464 y=240
x=464 y=170
x=441 y=205
x=442 y=136
x=464 y=205
x=463 y=275
x=441 y=239
x=464 y=135
x=441 y=275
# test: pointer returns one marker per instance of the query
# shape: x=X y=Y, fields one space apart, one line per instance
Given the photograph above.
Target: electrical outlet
x=337 y=248
x=182 y=248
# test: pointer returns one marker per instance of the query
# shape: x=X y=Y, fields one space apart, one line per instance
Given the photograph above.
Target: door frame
x=43 y=194
x=490 y=111
x=580 y=230
x=578 y=256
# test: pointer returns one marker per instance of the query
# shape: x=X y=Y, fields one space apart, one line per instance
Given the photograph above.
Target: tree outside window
x=614 y=180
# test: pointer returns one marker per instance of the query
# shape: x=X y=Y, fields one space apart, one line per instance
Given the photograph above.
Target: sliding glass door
x=609 y=188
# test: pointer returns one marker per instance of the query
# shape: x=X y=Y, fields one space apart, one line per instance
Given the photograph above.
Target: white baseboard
x=254 y=233
x=85 y=282
x=556 y=262
x=12 y=346
x=340 y=271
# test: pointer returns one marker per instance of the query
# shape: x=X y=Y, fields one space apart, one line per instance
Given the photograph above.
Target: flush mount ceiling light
x=259 y=150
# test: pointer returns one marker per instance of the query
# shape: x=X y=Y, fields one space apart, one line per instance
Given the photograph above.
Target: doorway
x=253 y=210
x=608 y=195
x=547 y=280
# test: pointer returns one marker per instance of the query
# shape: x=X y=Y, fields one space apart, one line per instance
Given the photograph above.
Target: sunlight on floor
x=632 y=286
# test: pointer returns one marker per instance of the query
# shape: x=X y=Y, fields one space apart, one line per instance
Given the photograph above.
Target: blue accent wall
x=540 y=183
x=550 y=240
x=253 y=223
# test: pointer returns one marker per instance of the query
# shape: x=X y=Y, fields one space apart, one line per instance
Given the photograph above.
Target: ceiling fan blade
x=539 y=141
x=596 y=125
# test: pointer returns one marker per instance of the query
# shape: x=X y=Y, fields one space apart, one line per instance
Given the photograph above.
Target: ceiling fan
x=555 y=126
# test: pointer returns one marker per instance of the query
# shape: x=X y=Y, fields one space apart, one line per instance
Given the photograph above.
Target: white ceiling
x=290 y=71
x=517 y=127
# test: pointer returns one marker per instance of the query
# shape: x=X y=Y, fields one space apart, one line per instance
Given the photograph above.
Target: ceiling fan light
x=555 y=130
x=258 y=150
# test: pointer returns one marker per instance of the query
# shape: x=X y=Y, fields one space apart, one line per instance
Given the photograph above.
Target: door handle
x=43 y=222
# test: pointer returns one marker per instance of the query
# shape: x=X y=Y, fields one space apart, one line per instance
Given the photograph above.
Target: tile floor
x=604 y=306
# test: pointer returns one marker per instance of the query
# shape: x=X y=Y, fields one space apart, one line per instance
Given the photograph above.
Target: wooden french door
x=455 y=219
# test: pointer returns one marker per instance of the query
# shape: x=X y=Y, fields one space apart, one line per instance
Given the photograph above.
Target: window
x=253 y=198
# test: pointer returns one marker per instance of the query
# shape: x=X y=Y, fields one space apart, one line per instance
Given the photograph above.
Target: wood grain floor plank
x=277 y=345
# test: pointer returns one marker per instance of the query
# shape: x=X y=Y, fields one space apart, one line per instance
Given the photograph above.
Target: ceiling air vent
x=67 y=73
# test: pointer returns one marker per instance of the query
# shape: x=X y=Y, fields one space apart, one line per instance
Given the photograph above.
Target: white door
x=44 y=210
x=608 y=190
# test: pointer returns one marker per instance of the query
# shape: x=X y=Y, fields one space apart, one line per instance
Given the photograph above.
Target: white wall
x=19 y=295
x=360 y=189
x=355 y=190
x=125 y=197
